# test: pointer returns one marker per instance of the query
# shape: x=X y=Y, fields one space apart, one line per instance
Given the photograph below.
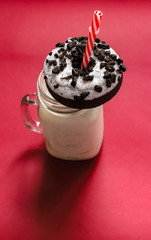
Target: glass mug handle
x=28 y=100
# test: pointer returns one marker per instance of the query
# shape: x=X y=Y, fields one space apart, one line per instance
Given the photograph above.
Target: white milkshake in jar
x=71 y=99
x=70 y=134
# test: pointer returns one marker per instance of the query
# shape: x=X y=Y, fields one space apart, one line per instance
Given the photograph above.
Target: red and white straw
x=93 y=31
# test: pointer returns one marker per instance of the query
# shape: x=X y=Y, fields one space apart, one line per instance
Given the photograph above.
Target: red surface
x=108 y=198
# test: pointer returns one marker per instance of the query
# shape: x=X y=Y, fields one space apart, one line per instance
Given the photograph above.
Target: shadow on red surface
x=56 y=184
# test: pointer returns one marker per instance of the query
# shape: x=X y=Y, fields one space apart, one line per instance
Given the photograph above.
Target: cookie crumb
x=56 y=70
x=123 y=67
x=98 y=88
x=88 y=78
x=56 y=86
x=59 y=44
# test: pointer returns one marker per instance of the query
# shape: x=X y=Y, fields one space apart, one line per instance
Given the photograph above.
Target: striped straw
x=93 y=31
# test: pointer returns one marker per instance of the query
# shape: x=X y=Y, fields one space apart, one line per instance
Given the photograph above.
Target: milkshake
x=70 y=100
x=69 y=133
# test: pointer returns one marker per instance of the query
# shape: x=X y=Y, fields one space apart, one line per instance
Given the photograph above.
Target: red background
x=108 y=197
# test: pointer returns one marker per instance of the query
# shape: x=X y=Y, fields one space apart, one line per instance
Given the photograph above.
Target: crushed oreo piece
x=103 y=45
x=88 y=78
x=94 y=47
x=45 y=77
x=56 y=55
x=112 y=63
x=63 y=63
x=50 y=53
x=63 y=60
x=107 y=52
x=119 y=79
x=84 y=95
x=108 y=83
x=73 y=82
x=123 y=67
x=59 y=44
x=82 y=72
x=51 y=62
x=107 y=75
x=97 y=40
x=62 y=66
x=69 y=56
x=79 y=50
x=76 y=64
x=70 y=45
x=77 y=56
x=54 y=63
x=74 y=53
x=100 y=57
x=61 y=55
x=84 y=43
x=61 y=50
x=79 y=38
x=98 y=88
x=56 y=70
x=107 y=59
x=99 y=45
x=56 y=86
x=110 y=68
x=102 y=65
x=113 y=78
x=119 y=60
x=96 y=52
x=102 y=52
x=75 y=72
x=92 y=62
x=82 y=46
x=78 y=59
x=119 y=71
x=113 y=56
x=67 y=77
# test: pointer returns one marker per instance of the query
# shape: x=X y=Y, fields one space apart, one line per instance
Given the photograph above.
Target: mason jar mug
x=70 y=134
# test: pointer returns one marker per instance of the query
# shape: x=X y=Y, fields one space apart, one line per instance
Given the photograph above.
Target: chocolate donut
x=78 y=88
